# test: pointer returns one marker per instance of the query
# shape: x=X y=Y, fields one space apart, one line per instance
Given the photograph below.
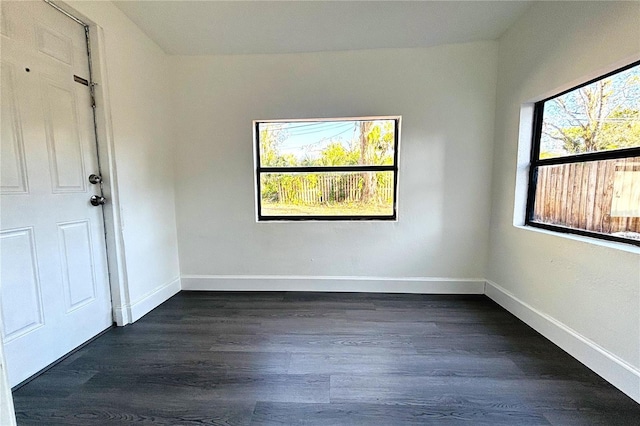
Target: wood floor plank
x=149 y=361
x=483 y=344
x=302 y=305
x=218 y=387
x=566 y=394
x=57 y=383
x=322 y=358
x=381 y=414
x=446 y=314
x=554 y=364
x=433 y=391
x=117 y=411
x=341 y=326
x=421 y=365
x=298 y=343
x=597 y=418
x=483 y=328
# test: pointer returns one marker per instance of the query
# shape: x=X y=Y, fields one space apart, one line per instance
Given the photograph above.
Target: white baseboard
x=148 y=302
x=426 y=285
x=616 y=371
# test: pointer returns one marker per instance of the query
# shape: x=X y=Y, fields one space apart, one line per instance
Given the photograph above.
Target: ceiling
x=249 y=27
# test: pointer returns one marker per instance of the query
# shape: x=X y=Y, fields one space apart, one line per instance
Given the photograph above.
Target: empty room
x=320 y=212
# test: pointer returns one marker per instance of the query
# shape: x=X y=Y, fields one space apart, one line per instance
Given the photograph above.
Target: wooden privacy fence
x=327 y=188
x=600 y=196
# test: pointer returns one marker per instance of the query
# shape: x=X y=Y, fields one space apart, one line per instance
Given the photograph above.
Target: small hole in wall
x=27 y=69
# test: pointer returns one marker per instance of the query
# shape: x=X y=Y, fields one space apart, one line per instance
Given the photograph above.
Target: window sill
x=316 y=221
x=629 y=248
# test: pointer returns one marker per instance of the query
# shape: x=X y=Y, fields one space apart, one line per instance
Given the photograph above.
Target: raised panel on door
x=54 y=44
x=63 y=137
x=20 y=290
x=5 y=25
x=13 y=173
x=78 y=273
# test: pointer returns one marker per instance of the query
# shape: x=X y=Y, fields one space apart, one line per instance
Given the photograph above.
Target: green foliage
x=622 y=130
x=547 y=154
x=269 y=150
x=315 y=189
x=381 y=140
x=337 y=155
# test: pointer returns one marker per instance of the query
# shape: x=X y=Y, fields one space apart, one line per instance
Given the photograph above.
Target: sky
x=309 y=138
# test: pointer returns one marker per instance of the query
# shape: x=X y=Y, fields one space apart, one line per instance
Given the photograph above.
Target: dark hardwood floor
x=323 y=359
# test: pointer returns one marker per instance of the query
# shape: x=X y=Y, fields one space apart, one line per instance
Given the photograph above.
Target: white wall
x=140 y=106
x=590 y=291
x=445 y=96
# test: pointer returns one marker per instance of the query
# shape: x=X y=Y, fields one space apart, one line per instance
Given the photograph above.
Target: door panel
x=53 y=281
x=78 y=276
x=54 y=44
x=12 y=167
x=22 y=299
x=63 y=139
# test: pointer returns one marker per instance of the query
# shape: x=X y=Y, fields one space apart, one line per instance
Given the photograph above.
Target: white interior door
x=53 y=276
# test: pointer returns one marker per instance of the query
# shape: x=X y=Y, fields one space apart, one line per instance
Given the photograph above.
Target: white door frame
x=119 y=286
x=118 y=282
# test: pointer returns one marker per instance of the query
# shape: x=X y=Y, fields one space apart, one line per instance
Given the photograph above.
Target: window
x=320 y=169
x=585 y=159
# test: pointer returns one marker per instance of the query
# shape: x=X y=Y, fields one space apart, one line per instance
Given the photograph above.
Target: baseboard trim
x=427 y=285
x=613 y=369
x=148 y=302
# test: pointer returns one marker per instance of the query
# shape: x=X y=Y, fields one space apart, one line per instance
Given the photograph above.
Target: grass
x=338 y=209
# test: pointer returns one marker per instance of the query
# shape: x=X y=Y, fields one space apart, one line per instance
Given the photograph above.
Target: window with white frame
x=327 y=169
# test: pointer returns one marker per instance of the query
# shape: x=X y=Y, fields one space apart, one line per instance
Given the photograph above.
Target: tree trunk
x=368 y=190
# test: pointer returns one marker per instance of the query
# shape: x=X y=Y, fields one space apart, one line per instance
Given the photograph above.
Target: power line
x=319 y=124
x=315 y=142
x=310 y=132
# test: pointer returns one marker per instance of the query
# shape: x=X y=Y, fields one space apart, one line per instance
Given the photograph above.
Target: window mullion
x=327 y=169
x=591 y=156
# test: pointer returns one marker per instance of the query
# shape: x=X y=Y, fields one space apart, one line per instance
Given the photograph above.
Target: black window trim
x=329 y=169
x=536 y=162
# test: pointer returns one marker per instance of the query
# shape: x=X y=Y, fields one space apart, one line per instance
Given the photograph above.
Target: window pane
x=327 y=143
x=601 y=116
x=327 y=194
x=598 y=196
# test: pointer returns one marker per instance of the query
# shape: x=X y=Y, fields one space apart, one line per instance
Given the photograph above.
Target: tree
x=381 y=140
x=271 y=136
x=377 y=141
x=622 y=129
x=366 y=155
x=335 y=154
x=600 y=116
